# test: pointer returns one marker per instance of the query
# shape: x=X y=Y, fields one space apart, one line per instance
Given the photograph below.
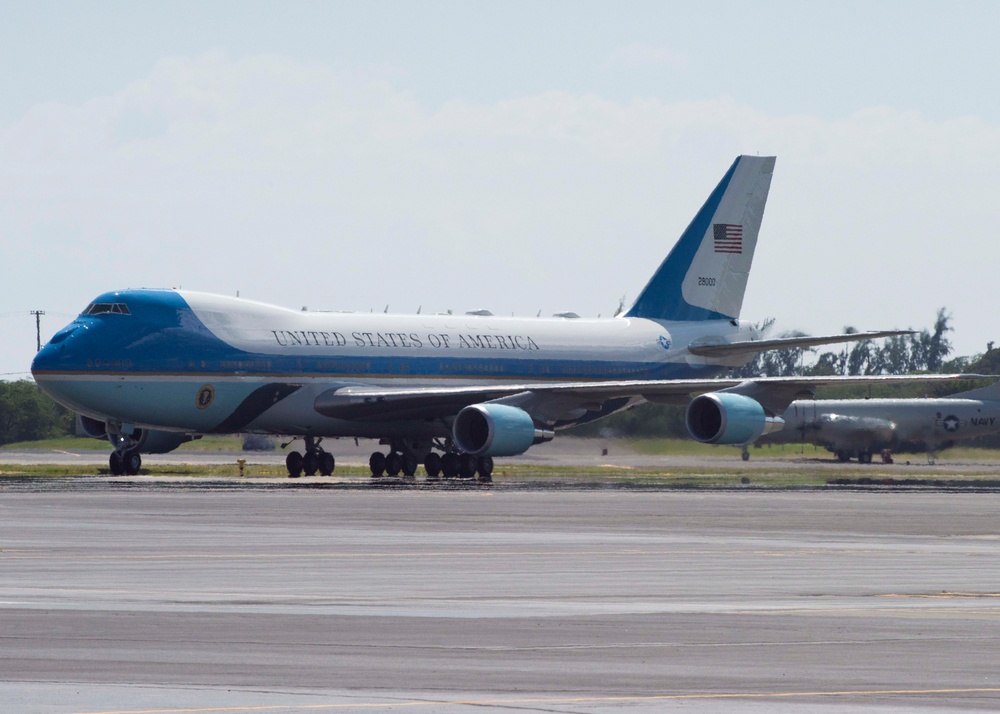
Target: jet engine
x=94 y=428
x=154 y=441
x=726 y=418
x=148 y=441
x=496 y=430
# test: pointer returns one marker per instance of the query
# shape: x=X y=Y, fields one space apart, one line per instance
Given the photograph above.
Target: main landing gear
x=315 y=459
x=843 y=456
x=402 y=460
x=405 y=455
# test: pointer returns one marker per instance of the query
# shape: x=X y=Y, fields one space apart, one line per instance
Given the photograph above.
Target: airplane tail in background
x=991 y=392
x=705 y=275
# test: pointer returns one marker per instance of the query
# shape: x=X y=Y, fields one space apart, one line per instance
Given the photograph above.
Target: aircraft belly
x=196 y=404
x=316 y=425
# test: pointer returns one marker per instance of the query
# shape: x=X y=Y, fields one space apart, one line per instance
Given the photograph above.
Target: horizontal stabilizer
x=728 y=349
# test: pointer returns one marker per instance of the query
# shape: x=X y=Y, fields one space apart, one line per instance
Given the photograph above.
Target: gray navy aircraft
x=859 y=428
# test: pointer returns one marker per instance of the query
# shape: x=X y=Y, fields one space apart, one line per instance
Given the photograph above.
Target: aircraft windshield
x=102 y=308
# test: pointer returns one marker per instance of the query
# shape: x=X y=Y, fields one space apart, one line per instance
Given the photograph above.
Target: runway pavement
x=572 y=451
x=146 y=598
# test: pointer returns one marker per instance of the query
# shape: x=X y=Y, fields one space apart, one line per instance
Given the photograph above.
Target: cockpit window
x=101 y=308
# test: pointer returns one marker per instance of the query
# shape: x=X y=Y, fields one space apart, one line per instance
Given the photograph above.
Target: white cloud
x=302 y=183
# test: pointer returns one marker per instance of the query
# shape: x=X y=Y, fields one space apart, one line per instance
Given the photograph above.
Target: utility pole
x=38 y=328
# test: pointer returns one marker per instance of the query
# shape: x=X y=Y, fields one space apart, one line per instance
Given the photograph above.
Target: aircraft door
x=805 y=419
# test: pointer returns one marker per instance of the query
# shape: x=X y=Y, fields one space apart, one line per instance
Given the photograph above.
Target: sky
x=513 y=156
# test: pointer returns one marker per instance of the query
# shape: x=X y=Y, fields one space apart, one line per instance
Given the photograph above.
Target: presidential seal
x=205 y=396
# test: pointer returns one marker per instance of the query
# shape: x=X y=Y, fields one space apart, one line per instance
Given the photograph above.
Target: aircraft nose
x=55 y=355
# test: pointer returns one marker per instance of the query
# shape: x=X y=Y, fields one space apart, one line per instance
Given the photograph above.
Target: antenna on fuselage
x=621 y=306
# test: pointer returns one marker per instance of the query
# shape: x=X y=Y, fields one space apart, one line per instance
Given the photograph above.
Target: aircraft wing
x=392 y=404
x=551 y=402
x=728 y=349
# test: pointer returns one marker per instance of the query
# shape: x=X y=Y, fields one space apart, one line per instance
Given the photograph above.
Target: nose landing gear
x=125 y=463
x=125 y=459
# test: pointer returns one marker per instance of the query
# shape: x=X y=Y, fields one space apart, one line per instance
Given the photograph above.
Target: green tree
x=28 y=414
x=934 y=347
x=925 y=351
x=986 y=363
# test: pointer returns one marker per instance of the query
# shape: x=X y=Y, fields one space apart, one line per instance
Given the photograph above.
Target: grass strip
x=710 y=476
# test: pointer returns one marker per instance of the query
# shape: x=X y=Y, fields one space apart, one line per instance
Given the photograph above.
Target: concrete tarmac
x=139 y=597
x=562 y=451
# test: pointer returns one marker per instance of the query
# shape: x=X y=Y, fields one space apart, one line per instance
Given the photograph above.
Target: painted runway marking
x=944 y=595
x=27 y=554
x=559 y=700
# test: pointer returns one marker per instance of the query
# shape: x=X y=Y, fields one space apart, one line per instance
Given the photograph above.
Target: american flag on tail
x=728 y=237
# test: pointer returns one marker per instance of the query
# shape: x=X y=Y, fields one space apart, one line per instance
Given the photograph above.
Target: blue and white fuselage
x=197 y=363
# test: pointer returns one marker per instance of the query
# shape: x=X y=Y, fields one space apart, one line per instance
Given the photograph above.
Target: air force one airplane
x=150 y=369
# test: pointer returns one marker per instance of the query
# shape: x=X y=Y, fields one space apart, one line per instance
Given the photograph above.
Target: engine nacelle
x=724 y=418
x=94 y=428
x=148 y=441
x=496 y=430
x=154 y=441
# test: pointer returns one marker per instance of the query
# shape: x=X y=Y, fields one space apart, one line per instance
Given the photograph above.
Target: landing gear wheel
x=293 y=462
x=393 y=464
x=116 y=464
x=432 y=464
x=132 y=462
x=842 y=456
x=484 y=467
x=409 y=465
x=326 y=463
x=310 y=464
x=745 y=455
x=466 y=466
x=449 y=465
x=865 y=457
x=376 y=462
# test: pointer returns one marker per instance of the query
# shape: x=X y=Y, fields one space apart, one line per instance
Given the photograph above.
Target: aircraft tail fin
x=705 y=275
x=991 y=392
